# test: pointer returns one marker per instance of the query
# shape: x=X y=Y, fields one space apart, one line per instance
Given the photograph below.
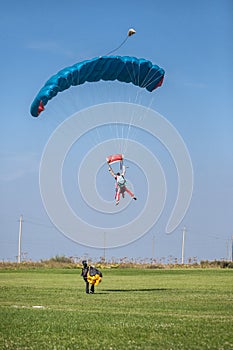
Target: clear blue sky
x=192 y=41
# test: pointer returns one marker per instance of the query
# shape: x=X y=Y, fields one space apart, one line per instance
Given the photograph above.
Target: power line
x=38 y=224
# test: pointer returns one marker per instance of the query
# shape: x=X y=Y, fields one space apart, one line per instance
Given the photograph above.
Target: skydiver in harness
x=120 y=184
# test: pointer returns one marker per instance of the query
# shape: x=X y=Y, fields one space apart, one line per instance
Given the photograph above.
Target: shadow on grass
x=133 y=290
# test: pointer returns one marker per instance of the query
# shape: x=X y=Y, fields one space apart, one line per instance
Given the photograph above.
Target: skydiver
x=84 y=273
x=120 y=184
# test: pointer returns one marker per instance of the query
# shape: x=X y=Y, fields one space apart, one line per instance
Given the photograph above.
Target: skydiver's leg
x=92 y=289
x=130 y=193
x=87 y=287
x=116 y=189
x=118 y=195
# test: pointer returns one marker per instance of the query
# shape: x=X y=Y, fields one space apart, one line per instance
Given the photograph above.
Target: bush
x=61 y=259
x=216 y=263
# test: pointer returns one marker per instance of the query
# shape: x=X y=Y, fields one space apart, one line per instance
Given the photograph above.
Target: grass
x=131 y=309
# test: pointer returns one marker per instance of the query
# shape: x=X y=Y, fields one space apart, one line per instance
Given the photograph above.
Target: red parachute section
x=115 y=158
x=41 y=107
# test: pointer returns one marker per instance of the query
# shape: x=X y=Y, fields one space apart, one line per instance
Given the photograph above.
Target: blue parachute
x=140 y=72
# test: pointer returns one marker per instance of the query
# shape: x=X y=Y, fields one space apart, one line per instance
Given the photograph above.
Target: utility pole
x=232 y=248
x=227 y=250
x=104 y=246
x=153 y=247
x=183 y=240
x=20 y=238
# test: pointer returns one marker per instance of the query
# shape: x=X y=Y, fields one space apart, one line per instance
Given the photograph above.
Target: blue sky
x=192 y=41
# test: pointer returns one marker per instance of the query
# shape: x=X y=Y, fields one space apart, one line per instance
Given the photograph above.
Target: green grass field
x=131 y=309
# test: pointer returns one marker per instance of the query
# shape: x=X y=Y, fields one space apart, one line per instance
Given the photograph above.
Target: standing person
x=120 y=185
x=84 y=274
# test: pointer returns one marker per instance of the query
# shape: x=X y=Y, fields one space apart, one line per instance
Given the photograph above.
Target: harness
x=121 y=181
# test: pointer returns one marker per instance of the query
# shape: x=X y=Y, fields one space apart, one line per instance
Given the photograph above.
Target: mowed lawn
x=131 y=309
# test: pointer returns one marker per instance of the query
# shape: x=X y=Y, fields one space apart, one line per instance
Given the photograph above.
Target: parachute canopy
x=94 y=276
x=139 y=72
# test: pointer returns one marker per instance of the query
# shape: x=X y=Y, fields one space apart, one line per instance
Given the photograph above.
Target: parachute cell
x=139 y=72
